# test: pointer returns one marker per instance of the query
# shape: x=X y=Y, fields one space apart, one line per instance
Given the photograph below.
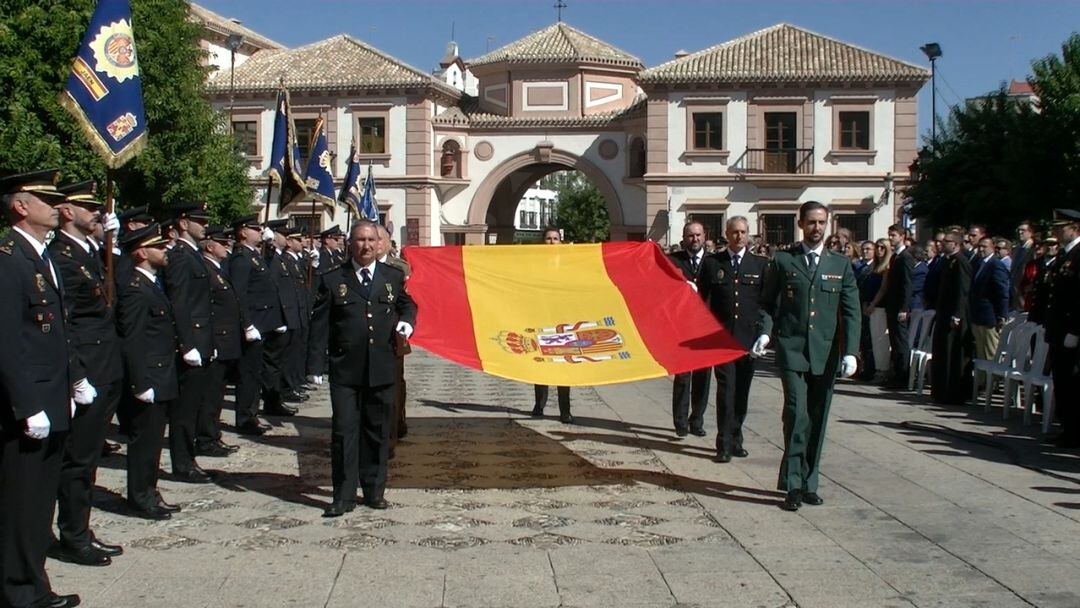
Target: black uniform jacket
x=256 y=289
x=187 y=283
x=149 y=333
x=1062 y=315
x=34 y=373
x=954 y=289
x=280 y=270
x=298 y=270
x=228 y=320
x=358 y=326
x=95 y=345
x=734 y=300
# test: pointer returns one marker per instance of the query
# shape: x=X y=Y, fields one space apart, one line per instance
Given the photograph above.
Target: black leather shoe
x=155 y=512
x=109 y=448
x=337 y=509
x=217 y=449
x=740 y=453
x=538 y=412
x=376 y=502
x=251 y=428
x=722 y=457
x=566 y=419
x=295 y=397
x=193 y=475
x=698 y=432
x=682 y=432
x=80 y=556
x=166 y=506
x=812 y=499
x=57 y=601
x=107 y=549
x=280 y=410
x=793 y=501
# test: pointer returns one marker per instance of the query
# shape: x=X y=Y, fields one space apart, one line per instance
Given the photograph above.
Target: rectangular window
x=708 y=131
x=523 y=219
x=854 y=130
x=247 y=133
x=713 y=222
x=305 y=127
x=305 y=223
x=372 y=135
x=857 y=223
x=778 y=228
x=532 y=219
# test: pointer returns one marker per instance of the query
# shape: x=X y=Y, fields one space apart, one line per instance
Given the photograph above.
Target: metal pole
x=933 y=103
x=232 y=85
x=110 y=285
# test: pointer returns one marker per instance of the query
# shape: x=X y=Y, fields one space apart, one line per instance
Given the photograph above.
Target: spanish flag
x=568 y=315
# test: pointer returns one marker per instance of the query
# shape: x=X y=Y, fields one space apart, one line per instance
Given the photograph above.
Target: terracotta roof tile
x=341 y=62
x=783 y=53
x=559 y=43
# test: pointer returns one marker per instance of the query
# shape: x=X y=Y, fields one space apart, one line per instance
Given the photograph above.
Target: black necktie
x=693 y=265
x=48 y=264
x=365 y=277
x=812 y=262
x=735 y=263
x=157 y=283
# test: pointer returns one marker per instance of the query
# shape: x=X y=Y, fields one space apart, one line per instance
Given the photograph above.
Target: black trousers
x=397 y=416
x=251 y=378
x=184 y=414
x=78 y=470
x=541 y=391
x=732 y=396
x=29 y=477
x=144 y=452
x=275 y=363
x=690 y=398
x=899 y=355
x=1063 y=368
x=208 y=419
x=297 y=359
x=359 y=439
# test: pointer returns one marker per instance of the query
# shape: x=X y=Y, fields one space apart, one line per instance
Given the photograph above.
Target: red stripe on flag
x=444 y=323
x=682 y=334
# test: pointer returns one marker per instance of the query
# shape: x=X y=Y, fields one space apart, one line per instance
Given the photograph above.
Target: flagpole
x=311 y=224
x=110 y=285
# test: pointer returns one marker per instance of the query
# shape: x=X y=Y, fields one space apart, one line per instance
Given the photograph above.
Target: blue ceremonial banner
x=104 y=91
x=350 y=187
x=284 y=170
x=368 y=209
x=318 y=178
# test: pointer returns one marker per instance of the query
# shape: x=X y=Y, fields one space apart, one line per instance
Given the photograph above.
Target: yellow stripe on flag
x=583 y=337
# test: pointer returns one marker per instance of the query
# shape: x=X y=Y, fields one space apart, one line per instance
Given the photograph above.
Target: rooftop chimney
x=679 y=54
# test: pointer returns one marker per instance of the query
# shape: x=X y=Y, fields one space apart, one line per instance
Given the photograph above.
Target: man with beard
x=690 y=390
x=950 y=365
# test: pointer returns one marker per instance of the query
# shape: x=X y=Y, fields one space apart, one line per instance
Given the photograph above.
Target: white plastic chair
x=1016 y=379
x=1014 y=347
x=921 y=353
x=1036 y=376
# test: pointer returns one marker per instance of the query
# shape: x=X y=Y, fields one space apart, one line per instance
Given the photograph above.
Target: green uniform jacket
x=802 y=313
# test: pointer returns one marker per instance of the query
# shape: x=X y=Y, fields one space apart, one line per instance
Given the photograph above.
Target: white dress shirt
x=39 y=247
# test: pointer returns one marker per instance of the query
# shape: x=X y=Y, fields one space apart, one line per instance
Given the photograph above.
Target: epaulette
x=66 y=251
x=8 y=246
x=333 y=268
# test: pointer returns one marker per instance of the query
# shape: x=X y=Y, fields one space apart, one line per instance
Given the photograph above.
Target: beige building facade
x=754 y=127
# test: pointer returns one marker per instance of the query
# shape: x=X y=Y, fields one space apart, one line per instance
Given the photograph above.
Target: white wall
x=219 y=56
x=734 y=125
x=882 y=139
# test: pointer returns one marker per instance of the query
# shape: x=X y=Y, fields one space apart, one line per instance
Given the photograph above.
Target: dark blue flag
x=104 y=91
x=318 y=178
x=369 y=210
x=350 y=187
x=284 y=170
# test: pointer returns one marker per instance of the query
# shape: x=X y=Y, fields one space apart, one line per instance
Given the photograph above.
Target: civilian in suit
x=398 y=426
x=552 y=236
x=35 y=389
x=227 y=322
x=187 y=284
x=810 y=305
x=897 y=301
x=95 y=356
x=868 y=278
x=148 y=331
x=951 y=362
x=935 y=255
x=360 y=309
x=690 y=390
x=918 y=278
x=1022 y=254
x=731 y=282
x=989 y=300
x=975 y=233
x=257 y=292
x=1063 y=326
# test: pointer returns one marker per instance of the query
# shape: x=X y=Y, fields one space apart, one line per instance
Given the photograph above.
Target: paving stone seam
x=337 y=575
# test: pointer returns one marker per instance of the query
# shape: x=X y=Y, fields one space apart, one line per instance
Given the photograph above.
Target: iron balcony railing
x=784 y=161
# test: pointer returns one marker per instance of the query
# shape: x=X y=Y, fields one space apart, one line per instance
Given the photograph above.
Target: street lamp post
x=233 y=42
x=932 y=50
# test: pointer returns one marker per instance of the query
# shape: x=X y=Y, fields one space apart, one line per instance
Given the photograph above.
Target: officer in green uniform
x=810 y=305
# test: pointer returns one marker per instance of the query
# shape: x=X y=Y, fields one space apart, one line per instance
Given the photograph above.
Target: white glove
x=266 y=235
x=758 y=349
x=251 y=334
x=316 y=380
x=85 y=393
x=848 y=366
x=72 y=405
x=193 y=358
x=404 y=329
x=110 y=222
x=37 y=426
x=314 y=257
x=146 y=396
x=214 y=355
x=692 y=285
x=1071 y=341
x=282 y=329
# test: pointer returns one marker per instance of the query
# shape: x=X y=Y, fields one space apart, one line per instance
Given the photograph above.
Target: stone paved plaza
x=925 y=506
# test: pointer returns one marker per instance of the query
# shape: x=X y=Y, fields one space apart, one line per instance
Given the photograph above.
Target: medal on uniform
x=342 y=290
x=86 y=273
x=389 y=293
x=720 y=275
x=40 y=281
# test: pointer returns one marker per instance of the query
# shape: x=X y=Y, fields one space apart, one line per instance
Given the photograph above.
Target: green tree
x=190 y=155
x=581 y=212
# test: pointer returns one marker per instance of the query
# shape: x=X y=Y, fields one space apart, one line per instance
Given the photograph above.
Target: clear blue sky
x=984 y=42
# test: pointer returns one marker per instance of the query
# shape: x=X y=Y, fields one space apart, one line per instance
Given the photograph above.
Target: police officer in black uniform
x=299 y=264
x=35 y=389
x=148 y=331
x=227 y=322
x=360 y=308
x=731 y=282
x=95 y=356
x=690 y=391
x=276 y=353
x=1062 y=319
x=130 y=220
x=187 y=284
x=257 y=292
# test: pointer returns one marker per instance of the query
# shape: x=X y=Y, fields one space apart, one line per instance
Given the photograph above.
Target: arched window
x=450 y=159
x=637 y=158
